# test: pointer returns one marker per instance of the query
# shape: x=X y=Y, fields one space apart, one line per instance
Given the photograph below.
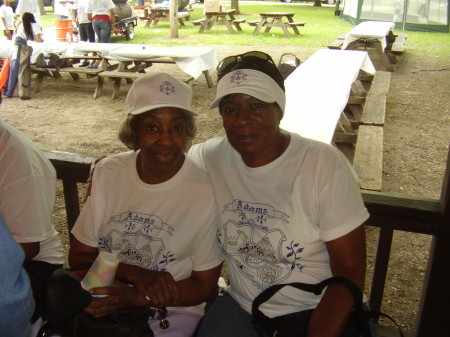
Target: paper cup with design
x=101 y=273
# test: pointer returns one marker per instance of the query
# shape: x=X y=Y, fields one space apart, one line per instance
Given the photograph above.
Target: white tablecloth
x=318 y=90
x=371 y=30
x=192 y=60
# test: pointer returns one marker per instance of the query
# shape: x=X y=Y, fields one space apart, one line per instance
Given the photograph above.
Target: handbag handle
x=317 y=289
x=312 y=288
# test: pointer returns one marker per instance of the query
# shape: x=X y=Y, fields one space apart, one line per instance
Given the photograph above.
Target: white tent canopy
x=423 y=15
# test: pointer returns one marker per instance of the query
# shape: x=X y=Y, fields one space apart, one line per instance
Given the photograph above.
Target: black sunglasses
x=228 y=63
x=251 y=60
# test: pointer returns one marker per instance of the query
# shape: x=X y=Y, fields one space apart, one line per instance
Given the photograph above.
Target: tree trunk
x=41 y=7
x=317 y=3
x=173 y=13
x=235 y=5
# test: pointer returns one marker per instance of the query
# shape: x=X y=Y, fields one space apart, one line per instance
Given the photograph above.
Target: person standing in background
x=85 y=29
x=101 y=13
x=7 y=19
x=62 y=8
x=30 y=6
x=29 y=29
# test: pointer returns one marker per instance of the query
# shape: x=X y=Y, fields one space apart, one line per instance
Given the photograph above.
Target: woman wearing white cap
x=290 y=209
x=154 y=208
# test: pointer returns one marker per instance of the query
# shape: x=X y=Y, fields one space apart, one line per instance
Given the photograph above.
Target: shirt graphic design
x=253 y=240
x=136 y=239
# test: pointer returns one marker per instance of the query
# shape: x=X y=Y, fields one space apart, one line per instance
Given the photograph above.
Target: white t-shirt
x=169 y=227
x=62 y=7
x=274 y=220
x=6 y=13
x=82 y=11
x=35 y=27
x=100 y=7
x=30 y=6
x=27 y=194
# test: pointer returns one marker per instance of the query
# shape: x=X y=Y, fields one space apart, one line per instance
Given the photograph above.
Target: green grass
x=322 y=27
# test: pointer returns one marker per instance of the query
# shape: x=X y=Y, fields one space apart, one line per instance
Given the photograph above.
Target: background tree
x=317 y=3
x=41 y=7
x=235 y=5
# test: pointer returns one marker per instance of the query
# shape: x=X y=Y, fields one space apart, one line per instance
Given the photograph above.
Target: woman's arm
x=80 y=253
x=113 y=18
x=163 y=290
x=38 y=38
x=348 y=259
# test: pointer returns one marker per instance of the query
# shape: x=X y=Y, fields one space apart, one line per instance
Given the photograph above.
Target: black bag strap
x=362 y=315
x=312 y=288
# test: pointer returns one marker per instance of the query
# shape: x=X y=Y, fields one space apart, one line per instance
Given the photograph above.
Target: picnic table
x=194 y=61
x=133 y=60
x=277 y=19
x=154 y=14
x=225 y=17
x=319 y=93
x=373 y=35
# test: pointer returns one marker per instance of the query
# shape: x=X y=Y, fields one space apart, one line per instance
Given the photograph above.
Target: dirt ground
x=65 y=117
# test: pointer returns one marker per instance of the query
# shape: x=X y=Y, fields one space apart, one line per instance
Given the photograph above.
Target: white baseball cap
x=158 y=90
x=250 y=82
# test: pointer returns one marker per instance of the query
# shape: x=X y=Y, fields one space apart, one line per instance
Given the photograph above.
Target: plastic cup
x=101 y=273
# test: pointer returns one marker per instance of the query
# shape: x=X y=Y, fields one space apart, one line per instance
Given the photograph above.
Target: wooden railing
x=388 y=212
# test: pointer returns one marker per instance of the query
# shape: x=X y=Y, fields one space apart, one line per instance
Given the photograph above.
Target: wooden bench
x=368 y=156
x=131 y=72
x=253 y=23
x=295 y=24
x=375 y=105
x=368 y=160
x=75 y=72
x=337 y=44
x=198 y=22
x=183 y=16
x=241 y=20
x=116 y=77
x=398 y=47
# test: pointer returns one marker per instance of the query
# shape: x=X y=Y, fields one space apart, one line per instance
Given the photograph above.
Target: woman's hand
x=118 y=296
x=159 y=288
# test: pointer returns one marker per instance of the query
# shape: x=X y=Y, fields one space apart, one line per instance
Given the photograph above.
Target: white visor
x=250 y=82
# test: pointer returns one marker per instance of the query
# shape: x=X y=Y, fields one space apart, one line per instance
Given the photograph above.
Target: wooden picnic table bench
x=74 y=72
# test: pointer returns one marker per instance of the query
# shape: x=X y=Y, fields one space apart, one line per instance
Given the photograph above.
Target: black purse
x=64 y=315
x=296 y=324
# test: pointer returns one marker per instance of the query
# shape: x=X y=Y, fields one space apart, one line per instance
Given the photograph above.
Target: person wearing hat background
x=154 y=208
x=290 y=209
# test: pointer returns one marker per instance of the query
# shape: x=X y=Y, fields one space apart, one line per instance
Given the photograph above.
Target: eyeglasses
x=251 y=60
x=251 y=57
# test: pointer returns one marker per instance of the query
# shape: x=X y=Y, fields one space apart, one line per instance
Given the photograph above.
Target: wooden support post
x=434 y=315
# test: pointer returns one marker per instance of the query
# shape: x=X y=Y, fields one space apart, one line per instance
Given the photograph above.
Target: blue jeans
x=226 y=318
x=102 y=29
x=86 y=32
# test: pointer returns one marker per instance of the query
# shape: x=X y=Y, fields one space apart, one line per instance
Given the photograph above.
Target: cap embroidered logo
x=167 y=88
x=238 y=77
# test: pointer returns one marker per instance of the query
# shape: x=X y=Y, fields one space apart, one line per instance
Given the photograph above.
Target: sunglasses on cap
x=251 y=60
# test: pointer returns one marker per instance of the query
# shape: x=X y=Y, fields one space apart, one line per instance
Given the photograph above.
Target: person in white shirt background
x=30 y=6
x=63 y=7
x=7 y=19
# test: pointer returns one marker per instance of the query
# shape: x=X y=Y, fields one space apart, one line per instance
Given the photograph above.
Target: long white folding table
x=318 y=91
x=194 y=61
